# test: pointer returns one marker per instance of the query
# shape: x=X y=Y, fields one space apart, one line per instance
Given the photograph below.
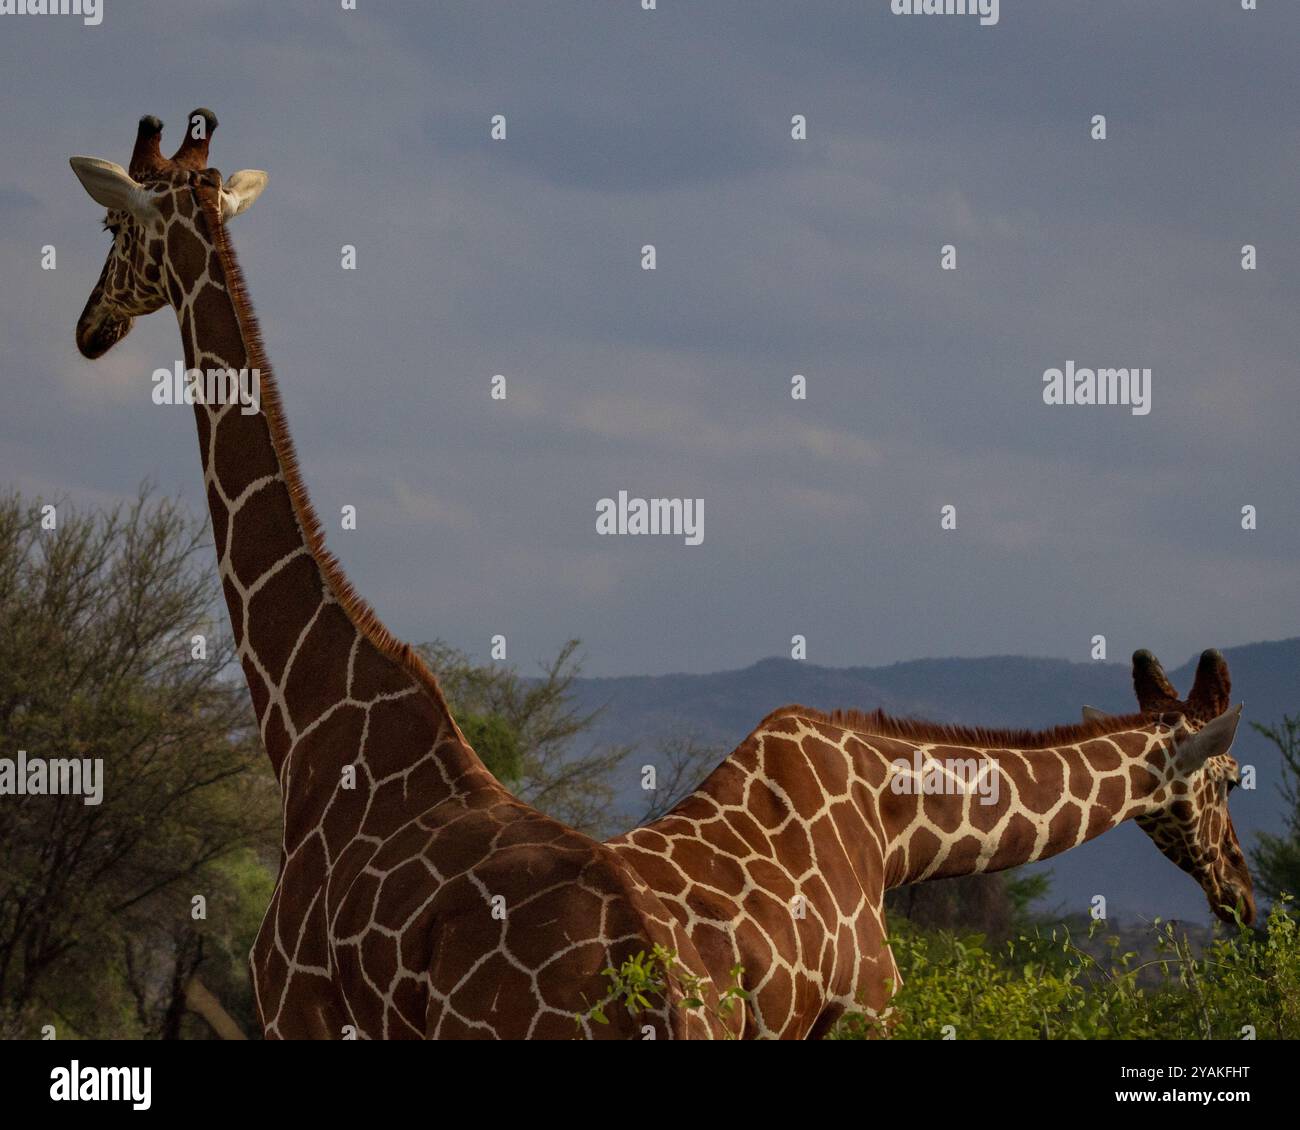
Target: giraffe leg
x=880 y=986
x=825 y=1021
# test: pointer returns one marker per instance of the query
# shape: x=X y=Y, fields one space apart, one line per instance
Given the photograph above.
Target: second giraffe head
x=1190 y=823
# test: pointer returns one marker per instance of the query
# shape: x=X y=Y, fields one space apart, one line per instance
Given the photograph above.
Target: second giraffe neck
x=1046 y=801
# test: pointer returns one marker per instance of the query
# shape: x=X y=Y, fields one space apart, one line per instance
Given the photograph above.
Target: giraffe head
x=1193 y=827
x=146 y=206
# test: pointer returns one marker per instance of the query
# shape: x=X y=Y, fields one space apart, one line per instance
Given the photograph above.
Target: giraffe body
x=780 y=861
x=399 y=938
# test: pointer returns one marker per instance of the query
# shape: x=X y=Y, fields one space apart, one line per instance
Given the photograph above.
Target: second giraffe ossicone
x=416 y=898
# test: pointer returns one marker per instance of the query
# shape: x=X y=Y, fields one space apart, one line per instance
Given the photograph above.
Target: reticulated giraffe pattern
x=780 y=861
x=416 y=898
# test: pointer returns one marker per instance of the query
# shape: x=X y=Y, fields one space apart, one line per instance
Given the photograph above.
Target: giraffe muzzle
x=98 y=332
x=1232 y=897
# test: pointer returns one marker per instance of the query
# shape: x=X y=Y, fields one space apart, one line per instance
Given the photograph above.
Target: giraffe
x=779 y=863
x=416 y=898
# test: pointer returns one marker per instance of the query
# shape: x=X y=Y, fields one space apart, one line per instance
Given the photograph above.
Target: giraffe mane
x=877 y=723
x=357 y=609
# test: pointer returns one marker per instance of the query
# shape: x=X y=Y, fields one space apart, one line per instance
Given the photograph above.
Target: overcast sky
x=774 y=257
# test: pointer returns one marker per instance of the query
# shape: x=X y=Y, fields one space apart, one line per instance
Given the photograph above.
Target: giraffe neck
x=1044 y=801
x=330 y=688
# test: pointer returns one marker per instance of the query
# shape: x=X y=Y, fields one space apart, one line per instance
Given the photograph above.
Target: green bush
x=1046 y=985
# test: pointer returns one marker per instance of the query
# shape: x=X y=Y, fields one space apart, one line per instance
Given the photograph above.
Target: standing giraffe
x=780 y=861
x=416 y=897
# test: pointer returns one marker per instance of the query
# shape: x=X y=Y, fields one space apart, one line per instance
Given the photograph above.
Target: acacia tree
x=1277 y=858
x=99 y=660
x=526 y=731
x=133 y=917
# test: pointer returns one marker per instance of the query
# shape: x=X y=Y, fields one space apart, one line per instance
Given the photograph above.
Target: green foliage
x=96 y=621
x=643 y=979
x=1023 y=890
x=1045 y=985
x=525 y=731
x=996 y=904
x=1277 y=858
x=635 y=981
x=496 y=742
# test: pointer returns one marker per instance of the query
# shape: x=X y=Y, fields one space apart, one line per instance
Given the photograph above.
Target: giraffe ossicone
x=425 y=901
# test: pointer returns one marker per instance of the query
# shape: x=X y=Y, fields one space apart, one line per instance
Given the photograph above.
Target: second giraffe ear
x=239 y=192
x=1210 y=740
x=1092 y=714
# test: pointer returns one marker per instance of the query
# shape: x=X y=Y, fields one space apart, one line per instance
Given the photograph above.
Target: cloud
x=775 y=257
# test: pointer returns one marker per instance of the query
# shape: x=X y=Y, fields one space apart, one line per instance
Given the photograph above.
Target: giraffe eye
x=1232 y=783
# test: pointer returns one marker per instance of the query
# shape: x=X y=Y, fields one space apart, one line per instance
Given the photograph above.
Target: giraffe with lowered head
x=780 y=861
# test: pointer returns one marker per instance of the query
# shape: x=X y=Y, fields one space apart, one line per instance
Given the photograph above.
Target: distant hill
x=722 y=708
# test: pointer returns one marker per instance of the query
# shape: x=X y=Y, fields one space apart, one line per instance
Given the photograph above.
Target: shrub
x=1045 y=985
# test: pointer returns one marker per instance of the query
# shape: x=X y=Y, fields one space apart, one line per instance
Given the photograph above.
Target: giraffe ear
x=239 y=192
x=1092 y=714
x=112 y=186
x=1210 y=740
